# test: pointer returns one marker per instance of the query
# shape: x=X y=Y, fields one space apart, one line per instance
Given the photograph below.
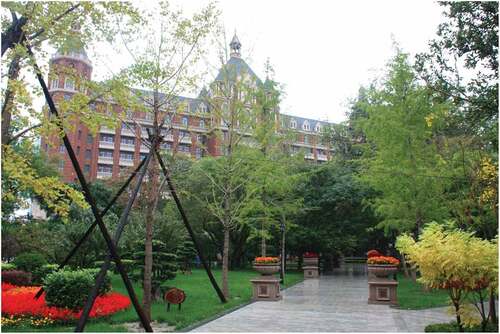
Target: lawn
x=201 y=303
x=412 y=296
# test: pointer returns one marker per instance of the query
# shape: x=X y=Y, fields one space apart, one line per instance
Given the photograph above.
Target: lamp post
x=282 y=252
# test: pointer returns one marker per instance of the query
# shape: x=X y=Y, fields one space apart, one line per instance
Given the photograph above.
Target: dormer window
x=317 y=128
x=203 y=107
x=293 y=124
x=305 y=126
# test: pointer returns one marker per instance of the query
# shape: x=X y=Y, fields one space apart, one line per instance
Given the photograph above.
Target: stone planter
x=267 y=269
x=382 y=270
x=311 y=261
x=311 y=272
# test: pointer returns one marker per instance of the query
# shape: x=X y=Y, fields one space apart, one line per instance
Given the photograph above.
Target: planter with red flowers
x=311 y=265
x=382 y=289
x=266 y=287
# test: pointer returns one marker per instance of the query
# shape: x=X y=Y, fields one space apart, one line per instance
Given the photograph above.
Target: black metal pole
x=94 y=224
x=189 y=229
x=283 y=254
x=105 y=266
x=89 y=197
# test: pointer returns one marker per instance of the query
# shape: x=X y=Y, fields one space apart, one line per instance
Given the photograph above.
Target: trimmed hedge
x=70 y=289
x=42 y=272
x=452 y=327
x=16 y=277
x=29 y=261
x=127 y=264
x=8 y=266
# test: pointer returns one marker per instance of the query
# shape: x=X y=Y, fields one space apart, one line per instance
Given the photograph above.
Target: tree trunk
x=263 y=243
x=459 y=320
x=492 y=311
x=225 y=264
x=405 y=266
x=8 y=99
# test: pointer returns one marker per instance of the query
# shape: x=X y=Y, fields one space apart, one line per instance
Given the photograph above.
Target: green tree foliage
x=401 y=158
x=164 y=265
x=186 y=254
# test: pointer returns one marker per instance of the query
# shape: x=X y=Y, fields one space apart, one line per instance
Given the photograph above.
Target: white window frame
x=67 y=85
x=293 y=124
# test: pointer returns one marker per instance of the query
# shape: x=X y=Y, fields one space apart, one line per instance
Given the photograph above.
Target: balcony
x=309 y=156
x=126 y=162
x=104 y=175
x=322 y=157
x=185 y=139
x=105 y=129
x=169 y=137
x=105 y=160
x=127 y=147
x=127 y=132
x=107 y=144
x=144 y=149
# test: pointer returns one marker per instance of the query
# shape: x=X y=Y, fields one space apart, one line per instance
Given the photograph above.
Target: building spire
x=235 y=46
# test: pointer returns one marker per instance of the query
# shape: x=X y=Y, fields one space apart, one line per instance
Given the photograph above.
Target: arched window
x=185 y=121
x=305 y=126
x=202 y=123
x=318 y=127
x=293 y=124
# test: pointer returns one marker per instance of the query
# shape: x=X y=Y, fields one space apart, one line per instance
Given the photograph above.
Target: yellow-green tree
x=457 y=261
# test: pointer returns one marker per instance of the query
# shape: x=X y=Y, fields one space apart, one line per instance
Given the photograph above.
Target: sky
x=323 y=51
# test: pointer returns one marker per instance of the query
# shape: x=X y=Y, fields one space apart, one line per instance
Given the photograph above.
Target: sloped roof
x=234 y=67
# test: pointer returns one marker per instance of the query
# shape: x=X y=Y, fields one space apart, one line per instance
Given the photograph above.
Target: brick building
x=189 y=133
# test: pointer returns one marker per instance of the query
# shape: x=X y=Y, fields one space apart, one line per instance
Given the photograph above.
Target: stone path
x=336 y=303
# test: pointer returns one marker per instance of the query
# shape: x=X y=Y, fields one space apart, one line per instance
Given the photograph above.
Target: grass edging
x=223 y=313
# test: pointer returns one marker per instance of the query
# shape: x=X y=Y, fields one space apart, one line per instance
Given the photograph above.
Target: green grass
x=202 y=303
x=412 y=296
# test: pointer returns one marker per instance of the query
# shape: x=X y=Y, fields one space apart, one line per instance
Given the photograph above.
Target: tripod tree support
x=88 y=196
x=105 y=266
x=189 y=229
x=94 y=224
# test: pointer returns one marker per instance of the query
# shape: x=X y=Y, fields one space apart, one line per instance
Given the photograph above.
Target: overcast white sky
x=321 y=51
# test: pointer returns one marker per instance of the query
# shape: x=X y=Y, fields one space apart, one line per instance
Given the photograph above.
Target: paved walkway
x=336 y=303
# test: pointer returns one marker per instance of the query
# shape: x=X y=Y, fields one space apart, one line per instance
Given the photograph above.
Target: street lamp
x=282 y=252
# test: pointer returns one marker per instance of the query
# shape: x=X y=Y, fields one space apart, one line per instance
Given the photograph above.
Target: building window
x=202 y=123
x=69 y=84
x=126 y=156
x=200 y=139
x=143 y=156
x=130 y=114
x=317 y=128
x=185 y=121
x=86 y=168
x=203 y=108
x=105 y=169
x=128 y=140
x=88 y=154
x=79 y=134
x=184 y=148
x=62 y=148
x=149 y=116
x=90 y=140
x=54 y=83
x=293 y=124
x=306 y=139
x=78 y=150
x=67 y=97
x=106 y=154
x=61 y=165
x=107 y=138
x=166 y=146
x=305 y=126
x=199 y=153
x=92 y=106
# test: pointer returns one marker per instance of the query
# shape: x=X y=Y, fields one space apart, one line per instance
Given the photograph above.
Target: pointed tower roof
x=235 y=47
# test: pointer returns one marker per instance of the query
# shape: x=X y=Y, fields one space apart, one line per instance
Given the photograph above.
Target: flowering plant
x=19 y=302
x=383 y=260
x=267 y=260
x=310 y=254
x=373 y=253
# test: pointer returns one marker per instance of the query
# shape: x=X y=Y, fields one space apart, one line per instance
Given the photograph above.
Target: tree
x=185 y=255
x=457 y=261
x=165 y=68
x=403 y=163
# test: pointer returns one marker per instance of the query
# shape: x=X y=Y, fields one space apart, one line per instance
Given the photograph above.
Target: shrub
x=373 y=253
x=8 y=266
x=383 y=260
x=127 y=264
x=40 y=273
x=453 y=327
x=30 y=262
x=16 y=277
x=70 y=288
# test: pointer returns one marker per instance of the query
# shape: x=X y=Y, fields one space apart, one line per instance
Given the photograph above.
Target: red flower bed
x=310 y=255
x=19 y=301
x=373 y=253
